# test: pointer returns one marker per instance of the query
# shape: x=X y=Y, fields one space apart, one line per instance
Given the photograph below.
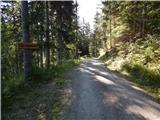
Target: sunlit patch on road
x=147 y=112
x=104 y=80
x=137 y=88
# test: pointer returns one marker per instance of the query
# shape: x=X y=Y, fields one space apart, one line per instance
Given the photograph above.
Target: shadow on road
x=100 y=94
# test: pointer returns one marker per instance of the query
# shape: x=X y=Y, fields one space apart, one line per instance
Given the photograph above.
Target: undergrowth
x=139 y=60
x=16 y=89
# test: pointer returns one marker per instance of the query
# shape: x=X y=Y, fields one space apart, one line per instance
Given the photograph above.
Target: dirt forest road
x=99 y=94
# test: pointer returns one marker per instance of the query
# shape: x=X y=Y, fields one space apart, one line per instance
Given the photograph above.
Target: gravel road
x=99 y=94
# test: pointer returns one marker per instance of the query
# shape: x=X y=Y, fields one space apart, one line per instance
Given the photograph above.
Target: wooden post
x=47 y=34
x=27 y=55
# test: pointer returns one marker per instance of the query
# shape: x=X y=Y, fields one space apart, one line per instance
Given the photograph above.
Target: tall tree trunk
x=96 y=49
x=143 y=21
x=27 y=55
x=60 y=47
x=114 y=25
x=47 y=35
x=16 y=50
x=77 y=54
x=110 y=29
x=60 y=37
x=41 y=51
x=105 y=38
x=38 y=42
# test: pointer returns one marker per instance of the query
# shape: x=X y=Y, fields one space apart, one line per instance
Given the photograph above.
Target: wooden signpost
x=27 y=46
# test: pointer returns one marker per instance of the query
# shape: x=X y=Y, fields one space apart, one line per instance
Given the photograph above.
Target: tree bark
x=60 y=38
x=27 y=55
x=60 y=47
x=41 y=51
x=110 y=29
x=47 y=35
x=142 y=23
x=16 y=50
x=77 y=54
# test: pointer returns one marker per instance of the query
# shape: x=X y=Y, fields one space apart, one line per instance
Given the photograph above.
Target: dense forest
x=127 y=34
x=42 y=40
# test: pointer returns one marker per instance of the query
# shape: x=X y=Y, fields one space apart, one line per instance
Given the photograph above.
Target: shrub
x=13 y=87
x=54 y=71
x=10 y=88
x=42 y=74
x=145 y=76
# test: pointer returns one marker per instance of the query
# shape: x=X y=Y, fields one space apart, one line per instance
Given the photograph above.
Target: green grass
x=139 y=61
x=19 y=96
x=146 y=76
x=54 y=71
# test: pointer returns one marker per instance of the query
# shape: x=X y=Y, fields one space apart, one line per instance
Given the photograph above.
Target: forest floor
x=45 y=101
x=100 y=94
x=42 y=99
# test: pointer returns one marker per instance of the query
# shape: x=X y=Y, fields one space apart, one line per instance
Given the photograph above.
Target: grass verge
x=145 y=78
x=39 y=99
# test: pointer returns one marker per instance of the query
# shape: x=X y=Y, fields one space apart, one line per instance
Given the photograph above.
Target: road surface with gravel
x=99 y=94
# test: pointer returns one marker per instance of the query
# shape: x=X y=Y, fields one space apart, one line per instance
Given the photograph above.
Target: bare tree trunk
x=142 y=23
x=47 y=35
x=110 y=30
x=60 y=38
x=96 y=49
x=41 y=51
x=105 y=41
x=77 y=54
x=16 y=50
x=114 y=25
x=38 y=42
x=27 y=55
x=60 y=47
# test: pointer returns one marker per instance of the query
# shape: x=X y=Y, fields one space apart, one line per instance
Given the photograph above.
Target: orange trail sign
x=27 y=46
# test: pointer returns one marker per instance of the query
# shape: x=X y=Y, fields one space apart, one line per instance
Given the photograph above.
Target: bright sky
x=87 y=10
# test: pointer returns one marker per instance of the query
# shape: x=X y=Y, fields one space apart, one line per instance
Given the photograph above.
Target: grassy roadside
x=151 y=90
x=45 y=98
x=139 y=60
x=143 y=77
